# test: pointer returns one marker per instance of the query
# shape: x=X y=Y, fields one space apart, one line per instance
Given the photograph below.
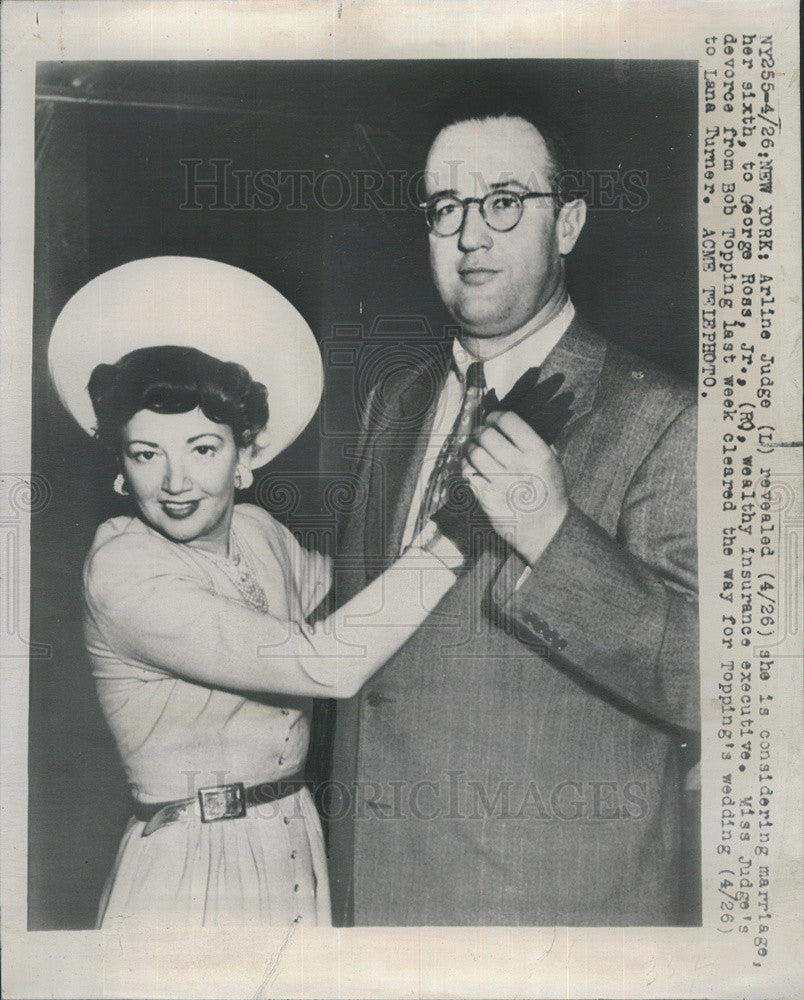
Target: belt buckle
x=222 y=802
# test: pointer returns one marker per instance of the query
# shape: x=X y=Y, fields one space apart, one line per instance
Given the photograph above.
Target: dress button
x=296 y=887
x=284 y=711
x=286 y=820
x=293 y=855
x=297 y=919
x=281 y=760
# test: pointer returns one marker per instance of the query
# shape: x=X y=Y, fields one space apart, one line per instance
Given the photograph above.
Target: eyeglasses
x=501 y=210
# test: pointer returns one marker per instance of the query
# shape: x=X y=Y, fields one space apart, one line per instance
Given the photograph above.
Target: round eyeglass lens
x=502 y=210
x=445 y=216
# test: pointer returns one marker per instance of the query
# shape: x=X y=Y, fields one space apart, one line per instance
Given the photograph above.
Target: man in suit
x=521 y=759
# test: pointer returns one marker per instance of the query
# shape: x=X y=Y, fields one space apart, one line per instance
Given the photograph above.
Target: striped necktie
x=446 y=472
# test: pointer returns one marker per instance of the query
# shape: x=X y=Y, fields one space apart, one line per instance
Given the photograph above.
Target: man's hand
x=518 y=481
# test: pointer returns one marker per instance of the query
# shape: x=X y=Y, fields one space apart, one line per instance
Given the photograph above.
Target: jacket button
x=374 y=698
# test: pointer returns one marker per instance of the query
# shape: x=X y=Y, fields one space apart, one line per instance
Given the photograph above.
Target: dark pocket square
x=539 y=404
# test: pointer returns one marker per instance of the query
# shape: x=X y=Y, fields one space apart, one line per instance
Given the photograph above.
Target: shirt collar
x=502 y=371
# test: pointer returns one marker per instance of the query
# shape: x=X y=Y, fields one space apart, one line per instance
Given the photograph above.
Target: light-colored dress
x=148 y=608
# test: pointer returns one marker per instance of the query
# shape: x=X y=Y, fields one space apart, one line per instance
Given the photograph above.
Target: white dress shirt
x=501 y=372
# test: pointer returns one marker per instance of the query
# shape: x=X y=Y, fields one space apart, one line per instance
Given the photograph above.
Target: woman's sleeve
x=157 y=611
x=312 y=573
x=308 y=571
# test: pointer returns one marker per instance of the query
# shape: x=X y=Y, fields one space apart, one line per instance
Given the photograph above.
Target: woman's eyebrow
x=204 y=435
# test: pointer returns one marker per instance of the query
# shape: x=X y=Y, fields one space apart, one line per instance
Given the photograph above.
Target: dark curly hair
x=176 y=380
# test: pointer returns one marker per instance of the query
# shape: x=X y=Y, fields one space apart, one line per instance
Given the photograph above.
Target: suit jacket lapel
x=401 y=444
x=579 y=356
x=398 y=457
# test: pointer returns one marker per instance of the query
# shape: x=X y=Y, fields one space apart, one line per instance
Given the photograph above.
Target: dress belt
x=216 y=803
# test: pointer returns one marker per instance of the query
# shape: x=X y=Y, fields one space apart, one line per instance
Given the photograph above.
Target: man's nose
x=474 y=233
x=175 y=480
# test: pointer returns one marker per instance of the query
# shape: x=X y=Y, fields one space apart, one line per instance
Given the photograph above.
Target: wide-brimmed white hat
x=191 y=302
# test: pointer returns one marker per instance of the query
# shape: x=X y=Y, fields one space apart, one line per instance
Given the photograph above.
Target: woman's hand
x=446 y=549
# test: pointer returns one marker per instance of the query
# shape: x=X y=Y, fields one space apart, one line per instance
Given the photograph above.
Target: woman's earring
x=243 y=477
x=120 y=485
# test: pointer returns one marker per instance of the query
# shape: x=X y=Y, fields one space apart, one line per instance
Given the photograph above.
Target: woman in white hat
x=195 y=607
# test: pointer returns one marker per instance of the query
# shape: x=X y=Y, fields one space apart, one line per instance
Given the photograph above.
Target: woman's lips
x=179 y=510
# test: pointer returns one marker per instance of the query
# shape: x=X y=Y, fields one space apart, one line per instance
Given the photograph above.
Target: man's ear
x=570 y=222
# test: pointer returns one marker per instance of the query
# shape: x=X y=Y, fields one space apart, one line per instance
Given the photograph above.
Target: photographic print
x=402 y=507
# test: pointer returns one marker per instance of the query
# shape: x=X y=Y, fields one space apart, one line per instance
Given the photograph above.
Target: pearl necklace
x=238 y=569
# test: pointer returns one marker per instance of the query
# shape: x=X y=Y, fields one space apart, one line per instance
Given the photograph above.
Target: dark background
x=110 y=186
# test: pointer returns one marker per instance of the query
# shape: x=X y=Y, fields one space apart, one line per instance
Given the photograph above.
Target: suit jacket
x=520 y=760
